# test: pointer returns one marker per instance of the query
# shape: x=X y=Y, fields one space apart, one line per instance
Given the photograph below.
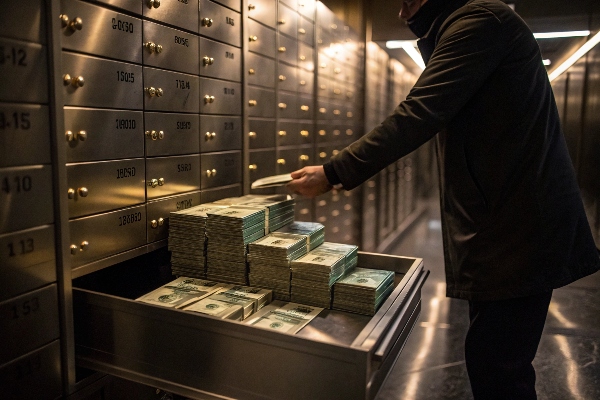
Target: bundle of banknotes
x=187 y=240
x=314 y=274
x=362 y=290
x=284 y=317
x=314 y=231
x=269 y=261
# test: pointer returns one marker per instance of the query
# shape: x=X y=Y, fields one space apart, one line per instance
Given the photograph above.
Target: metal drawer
x=28 y=322
x=306 y=31
x=220 y=133
x=170 y=91
x=287 y=49
x=25 y=137
x=26 y=197
x=178 y=13
x=263 y=11
x=307 y=8
x=170 y=134
x=287 y=77
x=261 y=102
x=24 y=72
x=95 y=30
x=306 y=57
x=294 y=133
x=178 y=50
x=28 y=260
x=293 y=159
x=262 y=163
x=220 y=23
x=35 y=375
x=104 y=83
x=233 y=4
x=337 y=355
x=103 y=235
x=220 y=169
x=211 y=195
x=324 y=87
x=324 y=109
x=287 y=104
x=134 y=6
x=157 y=213
x=166 y=176
x=220 y=97
x=98 y=134
x=260 y=70
x=261 y=39
x=220 y=60
x=306 y=82
x=262 y=133
x=24 y=20
x=107 y=185
x=287 y=21
x=304 y=107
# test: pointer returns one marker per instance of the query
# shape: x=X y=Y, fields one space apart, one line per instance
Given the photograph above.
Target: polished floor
x=432 y=366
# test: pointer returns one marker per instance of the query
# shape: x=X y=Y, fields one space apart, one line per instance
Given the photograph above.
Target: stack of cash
x=314 y=231
x=349 y=251
x=279 y=209
x=260 y=297
x=362 y=290
x=284 y=317
x=187 y=240
x=181 y=292
x=229 y=231
x=221 y=306
x=313 y=276
x=269 y=261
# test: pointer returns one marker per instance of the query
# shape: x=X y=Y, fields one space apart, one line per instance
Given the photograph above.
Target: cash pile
x=180 y=292
x=269 y=261
x=362 y=290
x=229 y=231
x=349 y=251
x=279 y=209
x=314 y=231
x=284 y=317
x=187 y=240
x=260 y=297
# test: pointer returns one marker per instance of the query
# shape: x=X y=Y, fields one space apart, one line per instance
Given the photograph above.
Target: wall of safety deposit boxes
x=114 y=113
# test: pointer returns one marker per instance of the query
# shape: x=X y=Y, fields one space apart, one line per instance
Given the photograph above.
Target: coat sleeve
x=469 y=50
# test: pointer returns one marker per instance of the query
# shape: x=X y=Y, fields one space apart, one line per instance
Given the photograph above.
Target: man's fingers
x=297 y=174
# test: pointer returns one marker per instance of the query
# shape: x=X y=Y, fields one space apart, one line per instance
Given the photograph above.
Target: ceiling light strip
x=414 y=54
x=554 y=35
x=587 y=46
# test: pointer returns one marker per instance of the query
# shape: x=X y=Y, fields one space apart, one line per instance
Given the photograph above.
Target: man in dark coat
x=513 y=222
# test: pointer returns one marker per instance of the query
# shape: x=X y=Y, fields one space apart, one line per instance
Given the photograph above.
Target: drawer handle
x=323 y=87
x=153 y=3
x=302 y=83
x=337 y=91
x=161 y=181
x=281 y=49
x=349 y=114
x=349 y=132
x=209 y=99
x=304 y=211
x=76 y=81
x=333 y=26
x=207 y=22
x=337 y=70
x=336 y=112
x=252 y=103
x=323 y=110
x=302 y=31
x=323 y=65
x=210 y=135
x=251 y=71
x=281 y=161
x=74 y=249
x=211 y=172
x=76 y=24
x=252 y=167
x=335 y=213
x=302 y=58
x=304 y=133
x=282 y=106
x=155 y=135
x=322 y=155
x=253 y=38
x=206 y=60
x=322 y=132
x=349 y=95
x=304 y=157
x=156 y=223
x=335 y=152
x=73 y=136
x=282 y=133
x=281 y=22
x=304 y=107
x=347 y=207
x=153 y=183
x=84 y=245
x=252 y=135
x=282 y=78
x=158 y=92
x=336 y=132
x=83 y=191
x=251 y=7
x=154 y=48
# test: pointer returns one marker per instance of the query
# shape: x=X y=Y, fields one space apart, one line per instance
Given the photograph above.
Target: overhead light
x=546 y=62
x=409 y=46
x=566 y=34
x=587 y=46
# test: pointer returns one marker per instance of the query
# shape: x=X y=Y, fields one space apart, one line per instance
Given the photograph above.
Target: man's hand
x=309 y=181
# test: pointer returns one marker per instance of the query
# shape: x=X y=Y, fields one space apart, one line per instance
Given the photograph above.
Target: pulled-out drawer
x=337 y=355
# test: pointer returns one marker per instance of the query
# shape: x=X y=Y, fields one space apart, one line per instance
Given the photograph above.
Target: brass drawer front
x=24 y=20
x=220 y=61
x=263 y=11
x=178 y=13
x=157 y=213
x=260 y=70
x=261 y=102
x=170 y=49
x=221 y=169
x=262 y=133
x=220 y=97
x=287 y=21
x=220 y=23
x=262 y=163
x=169 y=134
x=178 y=92
x=287 y=49
x=261 y=39
x=25 y=74
x=220 y=133
x=25 y=137
x=173 y=175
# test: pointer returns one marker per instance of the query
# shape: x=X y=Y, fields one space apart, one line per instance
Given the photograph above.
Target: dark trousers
x=501 y=343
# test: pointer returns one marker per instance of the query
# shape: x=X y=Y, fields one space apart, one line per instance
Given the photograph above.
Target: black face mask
x=421 y=22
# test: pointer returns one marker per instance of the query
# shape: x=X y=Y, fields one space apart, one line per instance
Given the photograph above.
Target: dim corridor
x=431 y=365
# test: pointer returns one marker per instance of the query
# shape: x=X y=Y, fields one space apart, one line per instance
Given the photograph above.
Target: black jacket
x=513 y=222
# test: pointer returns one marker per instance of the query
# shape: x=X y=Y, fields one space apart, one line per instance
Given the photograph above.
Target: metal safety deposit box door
x=338 y=355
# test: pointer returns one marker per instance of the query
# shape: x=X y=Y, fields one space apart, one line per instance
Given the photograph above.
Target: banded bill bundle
x=363 y=290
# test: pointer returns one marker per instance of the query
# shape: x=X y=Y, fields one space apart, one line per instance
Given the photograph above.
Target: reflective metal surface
x=287 y=49
x=220 y=169
x=23 y=72
x=220 y=97
x=170 y=175
x=220 y=133
x=261 y=39
x=24 y=20
x=174 y=91
x=263 y=11
x=169 y=48
x=287 y=21
x=157 y=213
x=181 y=14
x=261 y=102
x=25 y=137
x=260 y=71
x=211 y=195
x=262 y=163
x=220 y=61
x=133 y=6
x=220 y=23
x=171 y=134
x=261 y=133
